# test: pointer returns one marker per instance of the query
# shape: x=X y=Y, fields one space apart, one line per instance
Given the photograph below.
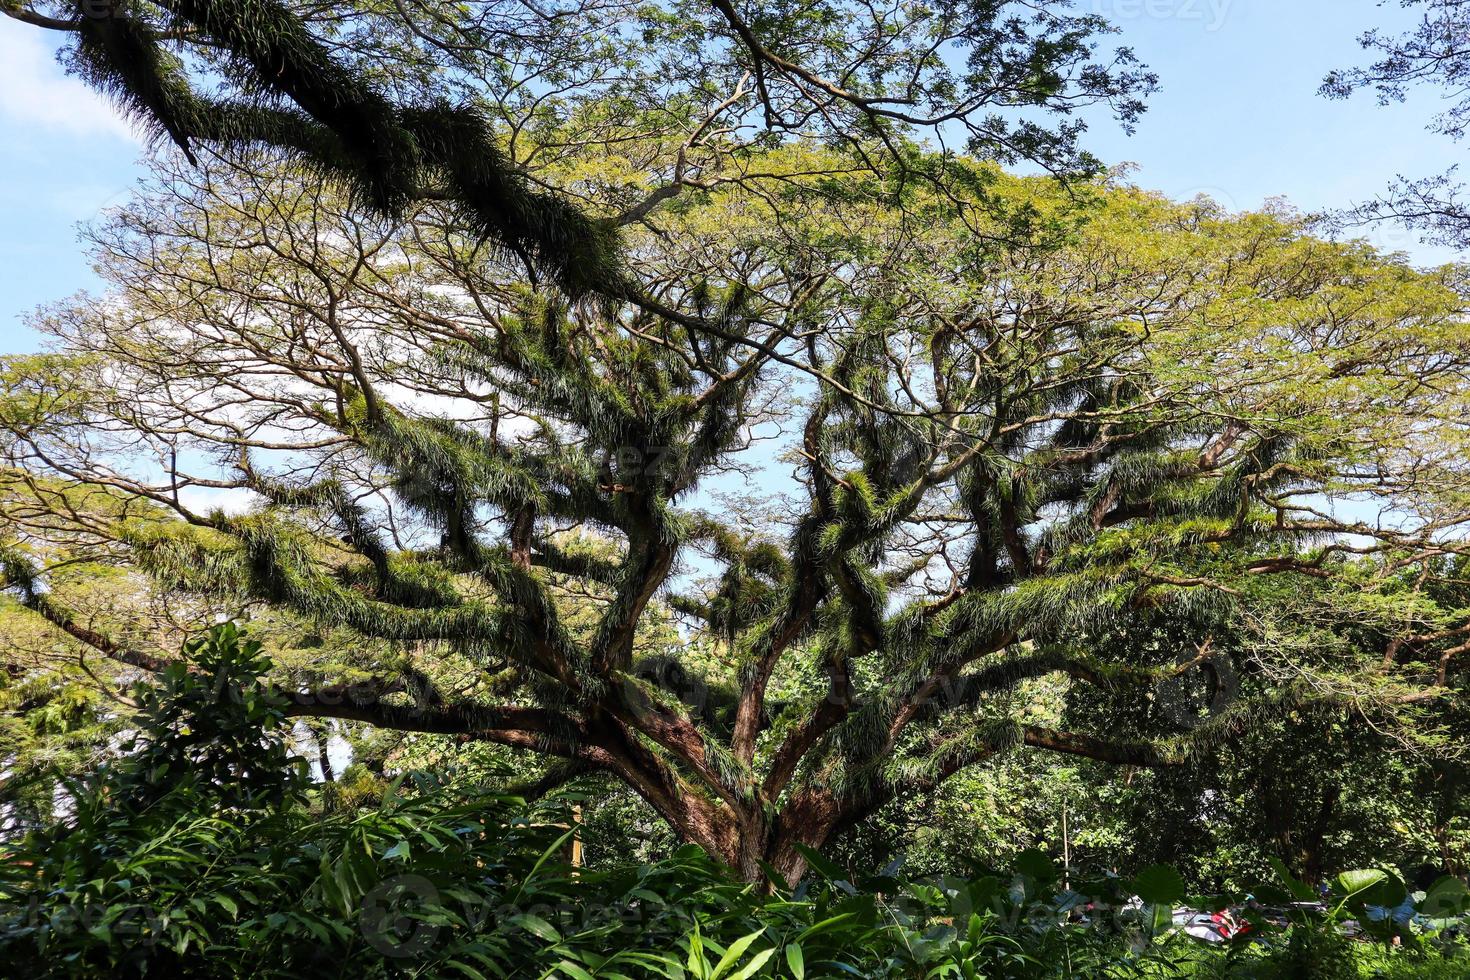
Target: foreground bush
x=202 y=854
x=423 y=887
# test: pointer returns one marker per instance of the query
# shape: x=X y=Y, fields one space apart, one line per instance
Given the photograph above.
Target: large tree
x=892 y=456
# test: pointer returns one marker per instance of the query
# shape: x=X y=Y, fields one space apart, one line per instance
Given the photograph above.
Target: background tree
x=1318 y=787
x=1434 y=53
x=980 y=438
x=1322 y=787
x=63 y=712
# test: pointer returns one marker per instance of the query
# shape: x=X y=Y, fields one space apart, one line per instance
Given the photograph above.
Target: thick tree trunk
x=323 y=738
x=750 y=843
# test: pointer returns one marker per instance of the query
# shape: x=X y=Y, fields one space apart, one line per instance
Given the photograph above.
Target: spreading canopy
x=422 y=99
x=816 y=525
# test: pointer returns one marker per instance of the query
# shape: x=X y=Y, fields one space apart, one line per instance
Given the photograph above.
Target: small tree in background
x=208 y=722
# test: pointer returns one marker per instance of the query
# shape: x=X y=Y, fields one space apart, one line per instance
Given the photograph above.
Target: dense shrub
x=205 y=853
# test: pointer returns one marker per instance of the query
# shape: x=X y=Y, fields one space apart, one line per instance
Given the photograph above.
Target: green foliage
x=1015 y=447
x=1047 y=441
x=208 y=725
x=218 y=878
x=396 y=104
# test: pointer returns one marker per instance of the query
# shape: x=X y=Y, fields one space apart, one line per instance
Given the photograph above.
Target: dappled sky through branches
x=1238 y=118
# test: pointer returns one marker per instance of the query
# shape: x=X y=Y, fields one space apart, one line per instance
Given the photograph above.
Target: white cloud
x=204 y=499
x=35 y=93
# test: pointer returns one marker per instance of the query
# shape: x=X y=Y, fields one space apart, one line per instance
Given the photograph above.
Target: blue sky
x=1238 y=118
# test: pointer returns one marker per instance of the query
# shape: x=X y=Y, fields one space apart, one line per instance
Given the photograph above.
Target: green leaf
x=1034 y=864
x=733 y=954
x=1446 y=897
x=754 y=966
x=546 y=855
x=536 y=925
x=1388 y=893
x=467 y=970
x=825 y=925
x=1351 y=883
x=1300 y=891
x=1160 y=884
x=775 y=877
x=826 y=868
x=698 y=965
x=796 y=961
